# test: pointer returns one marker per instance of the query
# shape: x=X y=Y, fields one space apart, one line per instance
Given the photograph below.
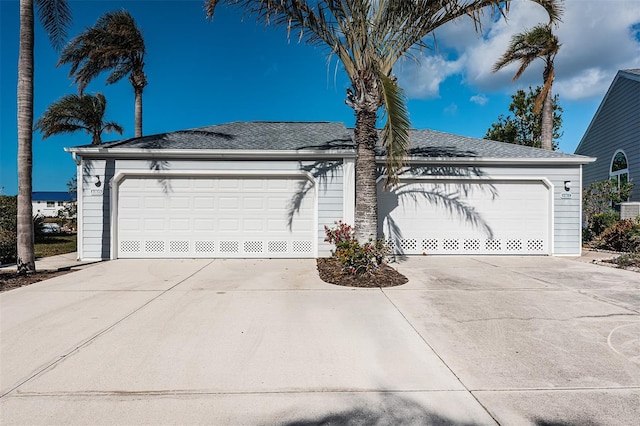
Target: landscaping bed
x=10 y=279
x=331 y=271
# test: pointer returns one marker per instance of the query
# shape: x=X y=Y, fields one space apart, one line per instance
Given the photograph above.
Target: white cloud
x=479 y=99
x=596 y=39
x=451 y=109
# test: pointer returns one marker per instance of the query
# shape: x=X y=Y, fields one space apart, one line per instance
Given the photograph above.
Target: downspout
x=79 y=204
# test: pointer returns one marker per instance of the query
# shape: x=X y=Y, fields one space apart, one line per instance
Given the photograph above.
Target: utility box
x=629 y=210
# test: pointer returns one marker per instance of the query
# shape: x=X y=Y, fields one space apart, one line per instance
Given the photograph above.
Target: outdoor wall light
x=98 y=184
x=567 y=185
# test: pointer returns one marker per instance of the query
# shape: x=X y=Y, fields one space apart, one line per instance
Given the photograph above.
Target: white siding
x=96 y=207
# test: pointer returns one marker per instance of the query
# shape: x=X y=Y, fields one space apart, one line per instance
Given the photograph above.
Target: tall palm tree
x=77 y=112
x=114 y=44
x=525 y=47
x=369 y=37
x=55 y=17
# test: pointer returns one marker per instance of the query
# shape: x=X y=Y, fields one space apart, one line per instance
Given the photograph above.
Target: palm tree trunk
x=366 y=209
x=138 y=111
x=547 y=122
x=26 y=257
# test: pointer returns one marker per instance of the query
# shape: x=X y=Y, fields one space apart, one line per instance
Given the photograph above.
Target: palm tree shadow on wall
x=451 y=185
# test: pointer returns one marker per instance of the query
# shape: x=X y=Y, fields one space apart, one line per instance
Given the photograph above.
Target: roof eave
x=98 y=152
x=497 y=160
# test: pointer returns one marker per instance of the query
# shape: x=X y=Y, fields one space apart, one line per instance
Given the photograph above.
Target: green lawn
x=52 y=245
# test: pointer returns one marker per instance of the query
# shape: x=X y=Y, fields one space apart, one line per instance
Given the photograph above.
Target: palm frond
x=55 y=17
x=537 y=106
x=395 y=134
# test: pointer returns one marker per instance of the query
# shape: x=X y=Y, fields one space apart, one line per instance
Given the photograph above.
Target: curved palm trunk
x=366 y=209
x=138 y=111
x=26 y=257
x=546 y=131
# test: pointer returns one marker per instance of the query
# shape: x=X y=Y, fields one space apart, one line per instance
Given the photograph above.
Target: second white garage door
x=465 y=217
x=211 y=217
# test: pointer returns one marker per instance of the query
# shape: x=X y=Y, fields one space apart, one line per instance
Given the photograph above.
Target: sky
x=203 y=72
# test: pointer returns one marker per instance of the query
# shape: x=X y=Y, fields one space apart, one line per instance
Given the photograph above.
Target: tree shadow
x=389 y=409
x=545 y=422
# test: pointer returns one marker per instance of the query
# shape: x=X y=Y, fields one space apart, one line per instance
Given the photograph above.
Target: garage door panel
x=433 y=218
x=213 y=217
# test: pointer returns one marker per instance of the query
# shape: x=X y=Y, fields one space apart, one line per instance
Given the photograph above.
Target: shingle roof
x=321 y=136
x=52 y=196
x=255 y=135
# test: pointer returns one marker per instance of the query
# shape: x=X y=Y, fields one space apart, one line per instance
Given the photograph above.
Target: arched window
x=619 y=168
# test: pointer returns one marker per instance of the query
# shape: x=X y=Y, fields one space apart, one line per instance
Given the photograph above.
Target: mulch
x=330 y=271
x=11 y=280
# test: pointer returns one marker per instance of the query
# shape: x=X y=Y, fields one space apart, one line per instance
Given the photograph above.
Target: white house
x=267 y=189
x=49 y=203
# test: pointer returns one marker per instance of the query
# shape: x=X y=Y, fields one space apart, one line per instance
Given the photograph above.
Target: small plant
x=356 y=258
x=623 y=235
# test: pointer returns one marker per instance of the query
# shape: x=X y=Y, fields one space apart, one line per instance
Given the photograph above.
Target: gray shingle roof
x=249 y=136
x=322 y=136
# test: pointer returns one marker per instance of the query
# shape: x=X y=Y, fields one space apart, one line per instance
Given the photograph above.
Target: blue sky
x=233 y=69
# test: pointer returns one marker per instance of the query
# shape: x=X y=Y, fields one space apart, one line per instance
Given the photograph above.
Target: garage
x=448 y=216
x=214 y=217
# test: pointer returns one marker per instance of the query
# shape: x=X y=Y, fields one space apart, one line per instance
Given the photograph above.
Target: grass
x=52 y=245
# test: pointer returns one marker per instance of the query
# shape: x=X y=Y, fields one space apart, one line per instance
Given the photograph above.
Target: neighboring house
x=49 y=203
x=264 y=189
x=614 y=135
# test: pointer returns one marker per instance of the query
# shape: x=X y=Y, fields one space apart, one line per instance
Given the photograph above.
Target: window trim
x=616 y=175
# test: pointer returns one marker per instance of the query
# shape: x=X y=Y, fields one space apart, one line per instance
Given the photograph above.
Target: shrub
x=356 y=258
x=8 y=246
x=601 y=221
x=623 y=235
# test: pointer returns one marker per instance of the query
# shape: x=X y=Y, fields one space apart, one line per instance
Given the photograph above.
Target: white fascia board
x=501 y=161
x=253 y=154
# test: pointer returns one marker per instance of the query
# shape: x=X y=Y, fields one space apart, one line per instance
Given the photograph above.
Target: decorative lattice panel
x=430 y=245
x=229 y=246
x=205 y=246
x=302 y=247
x=252 y=246
x=392 y=245
x=277 y=246
x=154 y=246
x=535 y=245
x=471 y=244
x=450 y=245
x=130 y=246
x=493 y=245
x=178 y=246
x=514 y=245
x=408 y=245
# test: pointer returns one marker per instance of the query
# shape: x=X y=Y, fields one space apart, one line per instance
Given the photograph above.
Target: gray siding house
x=265 y=189
x=613 y=136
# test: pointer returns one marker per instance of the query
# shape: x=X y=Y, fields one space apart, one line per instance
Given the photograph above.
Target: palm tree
x=77 y=112
x=113 y=44
x=525 y=47
x=55 y=16
x=369 y=37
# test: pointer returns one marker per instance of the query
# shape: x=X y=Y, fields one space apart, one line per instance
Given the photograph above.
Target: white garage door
x=463 y=217
x=214 y=217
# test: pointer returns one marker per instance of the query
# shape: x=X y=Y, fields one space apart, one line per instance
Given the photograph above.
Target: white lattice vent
x=229 y=246
x=252 y=246
x=514 y=245
x=493 y=245
x=408 y=245
x=277 y=246
x=471 y=244
x=392 y=245
x=130 y=246
x=450 y=245
x=302 y=246
x=535 y=245
x=178 y=246
x=205 y=246
x=154 y=246
x=430 y=245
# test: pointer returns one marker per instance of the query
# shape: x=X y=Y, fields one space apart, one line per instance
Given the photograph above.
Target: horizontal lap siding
x=96 y=208
x=616 y=126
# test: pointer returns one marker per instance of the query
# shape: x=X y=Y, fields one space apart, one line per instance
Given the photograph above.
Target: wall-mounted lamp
x=567 y=185
x=98 y=184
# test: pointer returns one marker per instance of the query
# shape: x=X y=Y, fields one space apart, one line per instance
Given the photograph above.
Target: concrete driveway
x=468 y=341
